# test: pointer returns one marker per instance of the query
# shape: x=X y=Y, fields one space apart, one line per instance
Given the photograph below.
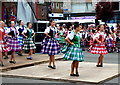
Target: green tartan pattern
x=74 y=53
x=61 y=39
x=28 y=44
x=64 y=49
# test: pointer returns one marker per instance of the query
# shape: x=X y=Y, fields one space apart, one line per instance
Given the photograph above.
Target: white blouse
x=100 y=33
x=72 y=34
x=20 y=27
x=47 y=30
x=25 y=30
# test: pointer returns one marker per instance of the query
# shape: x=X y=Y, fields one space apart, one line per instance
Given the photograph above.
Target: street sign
x=55 y=15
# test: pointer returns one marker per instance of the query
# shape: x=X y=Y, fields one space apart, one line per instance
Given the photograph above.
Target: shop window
x=61 y=5
x=52 y=4
x=57 y=5
x=88 y=6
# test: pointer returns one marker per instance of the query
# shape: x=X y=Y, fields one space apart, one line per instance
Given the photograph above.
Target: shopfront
x=9 y=11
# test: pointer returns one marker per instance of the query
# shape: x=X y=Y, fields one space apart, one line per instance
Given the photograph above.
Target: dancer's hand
x=26 y=36
x=103 y=43
x=72 y=43
x=99 y=42
x=49 y=36
x=9 y=35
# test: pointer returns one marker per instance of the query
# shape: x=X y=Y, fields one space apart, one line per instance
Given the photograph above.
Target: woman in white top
x=50 y=44
x=28 y=42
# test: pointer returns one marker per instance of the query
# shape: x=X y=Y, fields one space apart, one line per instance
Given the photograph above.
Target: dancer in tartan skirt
x=4 y=35
x=74 y=52
x=20 y=28
x=99 y=47
x=12 y=41
x=50 y=44
x=3 y=46
x=28 y=41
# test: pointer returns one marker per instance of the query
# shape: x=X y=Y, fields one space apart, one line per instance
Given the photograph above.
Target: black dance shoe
x=50 y=66
x=53 y=67
x=1 y=65
x=72 y=74
x=99 y=65
x=14 y=62
x=6 y=57
x=20 y=54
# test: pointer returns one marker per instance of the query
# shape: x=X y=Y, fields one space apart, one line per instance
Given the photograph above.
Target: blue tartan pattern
x=109 y=43
x=20 y=40
x=50 y=46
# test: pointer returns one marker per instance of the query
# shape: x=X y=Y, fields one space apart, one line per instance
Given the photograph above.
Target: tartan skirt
x=118 y=44
x=4 y=47
x=13 y=44
x=109 y=43
x=20 y=40
x=74 y=53
x=98 y=49
x=83 y=43
x=28 y=44
x=113 y=42
x=50 y=46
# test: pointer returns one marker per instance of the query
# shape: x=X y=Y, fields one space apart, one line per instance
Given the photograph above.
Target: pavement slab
x=89 y=73
x=43 y=58
x=21 y=61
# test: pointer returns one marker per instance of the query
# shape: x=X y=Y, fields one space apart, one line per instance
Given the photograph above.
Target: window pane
x=78 y=7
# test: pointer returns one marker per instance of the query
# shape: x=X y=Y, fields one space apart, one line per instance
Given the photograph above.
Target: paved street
x=61 y=74
x=89 y=73
x=25 y=80
x=22 y=61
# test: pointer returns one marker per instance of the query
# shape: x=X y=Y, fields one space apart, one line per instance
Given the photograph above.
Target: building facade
x=9 y=11
x=78 y=8
x=41 y=11
x=58 y=9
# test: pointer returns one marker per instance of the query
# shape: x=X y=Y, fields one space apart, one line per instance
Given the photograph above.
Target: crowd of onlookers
x=87 y=33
